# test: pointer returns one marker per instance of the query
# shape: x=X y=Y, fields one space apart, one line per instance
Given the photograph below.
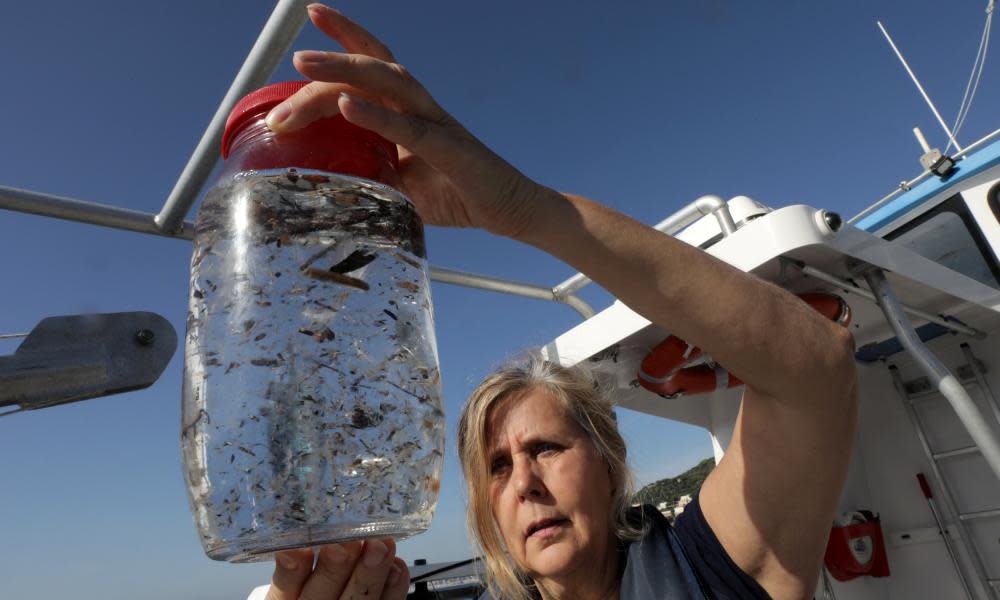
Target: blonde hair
x=585 y=400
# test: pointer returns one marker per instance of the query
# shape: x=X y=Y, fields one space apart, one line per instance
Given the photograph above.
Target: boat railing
x=905 y=186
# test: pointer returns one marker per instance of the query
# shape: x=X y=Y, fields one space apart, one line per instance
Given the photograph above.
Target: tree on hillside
x=671 y=489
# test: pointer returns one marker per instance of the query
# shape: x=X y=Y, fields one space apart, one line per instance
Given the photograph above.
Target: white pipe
x=949 y=386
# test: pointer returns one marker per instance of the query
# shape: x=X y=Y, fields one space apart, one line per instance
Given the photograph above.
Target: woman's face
x=549 y=488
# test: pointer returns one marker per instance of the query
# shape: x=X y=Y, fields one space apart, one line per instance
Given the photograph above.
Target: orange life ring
x=665 y=369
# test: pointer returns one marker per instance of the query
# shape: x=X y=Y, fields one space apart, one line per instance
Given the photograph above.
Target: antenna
x=920 y=87
x=932 y=159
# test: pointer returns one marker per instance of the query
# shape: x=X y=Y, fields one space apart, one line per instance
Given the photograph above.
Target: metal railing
x=273 y=43
x=905 y=186
x=93 y=213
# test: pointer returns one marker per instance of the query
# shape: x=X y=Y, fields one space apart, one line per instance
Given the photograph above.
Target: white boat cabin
x=937 y=245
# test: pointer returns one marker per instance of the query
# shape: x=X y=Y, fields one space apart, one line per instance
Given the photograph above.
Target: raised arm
x=771 y=499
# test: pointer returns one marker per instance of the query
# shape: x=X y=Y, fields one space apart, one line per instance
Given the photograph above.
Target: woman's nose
x=527 y=481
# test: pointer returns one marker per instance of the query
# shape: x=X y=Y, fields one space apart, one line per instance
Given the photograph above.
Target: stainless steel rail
x=133 y=220
x=271 y=46
x=847 y=286
x=71 y=209
x=93 y=213
x=483 y=282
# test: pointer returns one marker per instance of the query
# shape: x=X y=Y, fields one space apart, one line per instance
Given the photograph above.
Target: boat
x=921 y=276
x=920 y=513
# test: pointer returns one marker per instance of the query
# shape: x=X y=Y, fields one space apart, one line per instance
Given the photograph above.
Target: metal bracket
x=965 y=373
x=78 y=357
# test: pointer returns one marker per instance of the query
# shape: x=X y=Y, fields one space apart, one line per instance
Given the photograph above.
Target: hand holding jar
x=352 y=570
x=452 y=178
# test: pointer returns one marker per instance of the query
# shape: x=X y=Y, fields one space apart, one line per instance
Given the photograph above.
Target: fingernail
x=310 y=56
x=278 y=114
x=287 y=562
x=322 y=8
x=375 y=551
x=394 y=574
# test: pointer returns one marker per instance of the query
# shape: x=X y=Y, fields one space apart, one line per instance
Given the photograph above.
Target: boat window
x=948 y=234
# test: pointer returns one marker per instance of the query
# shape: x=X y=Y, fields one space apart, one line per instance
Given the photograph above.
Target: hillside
x=669 y=490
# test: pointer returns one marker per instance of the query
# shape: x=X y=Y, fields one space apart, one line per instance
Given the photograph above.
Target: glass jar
x=312 y=396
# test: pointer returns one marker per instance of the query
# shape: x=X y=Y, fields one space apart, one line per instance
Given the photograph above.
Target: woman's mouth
x=546 y=528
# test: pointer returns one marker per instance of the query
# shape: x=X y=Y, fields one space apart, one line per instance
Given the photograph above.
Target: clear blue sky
x=642 y=105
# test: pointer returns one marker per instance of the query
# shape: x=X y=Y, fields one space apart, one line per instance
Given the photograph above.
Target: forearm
x=753 y=328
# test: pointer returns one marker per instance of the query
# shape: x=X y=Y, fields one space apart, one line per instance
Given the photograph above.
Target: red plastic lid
x=333 y=143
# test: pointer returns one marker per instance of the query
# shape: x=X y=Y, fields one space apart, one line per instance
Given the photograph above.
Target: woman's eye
x=546 y=448
x=498 y=465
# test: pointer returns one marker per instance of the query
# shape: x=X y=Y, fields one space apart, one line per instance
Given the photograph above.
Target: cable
x=974 y=76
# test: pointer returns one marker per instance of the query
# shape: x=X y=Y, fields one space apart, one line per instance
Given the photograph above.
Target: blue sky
x=642 y=105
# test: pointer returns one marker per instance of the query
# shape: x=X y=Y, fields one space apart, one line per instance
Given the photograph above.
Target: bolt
x=144 y=337
x=833 y=220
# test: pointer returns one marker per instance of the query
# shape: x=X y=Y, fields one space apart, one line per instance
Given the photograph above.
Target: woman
x=543 y=460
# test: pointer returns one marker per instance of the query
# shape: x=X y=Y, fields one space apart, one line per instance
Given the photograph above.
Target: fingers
x=398 y=582
x=314 y=101
x=354 y=38
x=332 y=73
x=357 y=569
x=434 y=141
x=359 y=572
x=391 y=83
x=291 y=570
x=369 y=69
x=334 y=567
x=385 y=80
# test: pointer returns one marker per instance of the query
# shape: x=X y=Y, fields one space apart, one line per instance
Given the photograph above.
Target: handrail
x=71 y=209
x=272 y=45
x=92 y=213
x=907 y=185
x=505 y=286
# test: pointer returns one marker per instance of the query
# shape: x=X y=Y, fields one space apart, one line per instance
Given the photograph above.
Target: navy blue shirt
x=683 y=562
x=720 y=578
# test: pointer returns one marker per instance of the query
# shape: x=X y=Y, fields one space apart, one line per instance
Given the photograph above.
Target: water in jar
x=312 y=397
